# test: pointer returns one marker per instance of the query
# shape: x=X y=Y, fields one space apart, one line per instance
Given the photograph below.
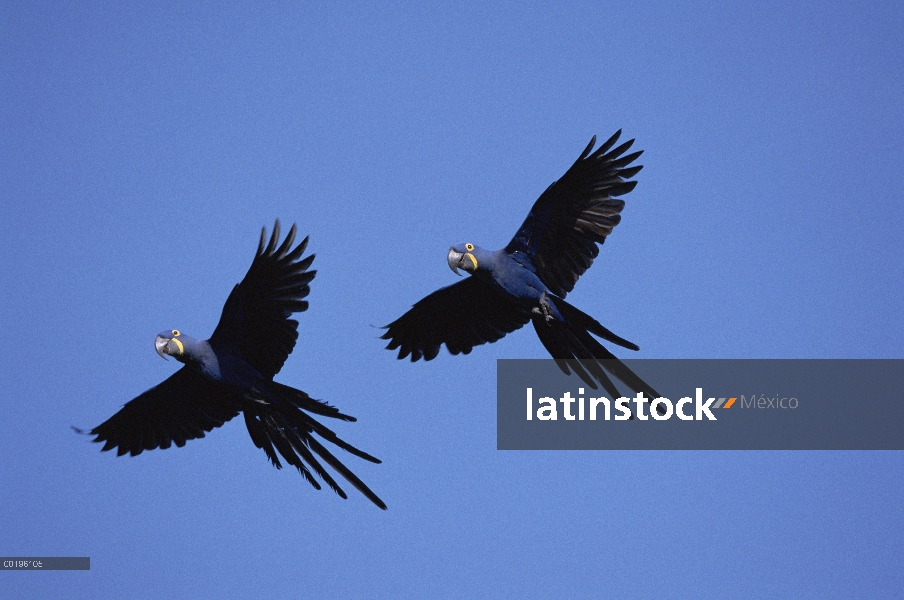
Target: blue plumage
x=529 y=278
x=233 y=372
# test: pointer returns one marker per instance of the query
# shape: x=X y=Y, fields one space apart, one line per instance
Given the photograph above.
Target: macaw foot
x=256 y=396
x=544 y=310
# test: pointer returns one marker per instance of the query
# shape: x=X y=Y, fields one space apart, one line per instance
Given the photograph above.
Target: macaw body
x=233 y=372
x=529 y=278
x=211 y=361
x=512 y=274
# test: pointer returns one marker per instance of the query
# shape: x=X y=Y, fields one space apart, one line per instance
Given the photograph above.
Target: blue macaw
x=233 y=372
x=529 y=278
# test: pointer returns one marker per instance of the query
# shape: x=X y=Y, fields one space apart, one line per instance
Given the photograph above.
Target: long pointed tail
x=570 y=343
x=278 y=423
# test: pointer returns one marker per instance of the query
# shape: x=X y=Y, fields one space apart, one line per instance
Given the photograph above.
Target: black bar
x=45 y=563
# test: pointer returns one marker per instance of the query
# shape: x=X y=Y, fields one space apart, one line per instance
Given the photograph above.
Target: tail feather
x=278 y=424
x=570 y=343
x=305 y=402
x=570 y=355
x=304 y=421
x=584 y=321
x=259 y=436
x=301 y=454
x=280 y=439
x=345 y=472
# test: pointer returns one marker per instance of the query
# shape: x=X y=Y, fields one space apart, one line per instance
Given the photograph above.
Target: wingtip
x=88 y=432
x=608 y=143
x=260 y=244
x=273 y=238
x=284 y=248
x=587 y=150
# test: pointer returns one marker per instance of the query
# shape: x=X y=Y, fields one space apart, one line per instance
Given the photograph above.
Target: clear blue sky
x=143 y=147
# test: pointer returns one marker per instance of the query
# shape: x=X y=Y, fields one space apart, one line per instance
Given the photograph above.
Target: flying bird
x=529 y=278
x=233 y=372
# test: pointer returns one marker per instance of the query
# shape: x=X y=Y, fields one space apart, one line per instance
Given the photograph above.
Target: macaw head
x=171 y=342
x=464 y=257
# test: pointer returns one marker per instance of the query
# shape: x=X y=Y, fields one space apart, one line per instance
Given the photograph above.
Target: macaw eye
x=469 y=247
x=176 y=333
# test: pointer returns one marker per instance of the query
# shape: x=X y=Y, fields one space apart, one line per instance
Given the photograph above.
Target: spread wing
x=255 y=323
x=183 y=407
x=463 y=315
x=574 y=214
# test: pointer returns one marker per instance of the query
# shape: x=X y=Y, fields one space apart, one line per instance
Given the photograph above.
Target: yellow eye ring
x=176 y=333
x=469 y=247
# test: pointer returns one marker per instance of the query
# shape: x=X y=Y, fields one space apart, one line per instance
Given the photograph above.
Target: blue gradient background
x=144 y=145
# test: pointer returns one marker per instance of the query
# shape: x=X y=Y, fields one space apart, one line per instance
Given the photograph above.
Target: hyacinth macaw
x=529 y=278
x=233 y=372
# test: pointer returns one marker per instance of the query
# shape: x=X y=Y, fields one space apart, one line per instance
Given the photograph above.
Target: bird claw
x=256 y=396
x=544 y=309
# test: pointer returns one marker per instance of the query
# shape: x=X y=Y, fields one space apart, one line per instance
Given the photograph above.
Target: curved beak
x=160 y=346
x=454 y=260
x=461 y=260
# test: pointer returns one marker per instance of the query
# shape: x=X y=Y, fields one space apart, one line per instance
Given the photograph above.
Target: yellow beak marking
x=473 y=260
x=178 y=343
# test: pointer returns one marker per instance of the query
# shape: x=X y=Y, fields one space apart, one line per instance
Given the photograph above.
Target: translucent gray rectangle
x=778 y=405
x=45 y=563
